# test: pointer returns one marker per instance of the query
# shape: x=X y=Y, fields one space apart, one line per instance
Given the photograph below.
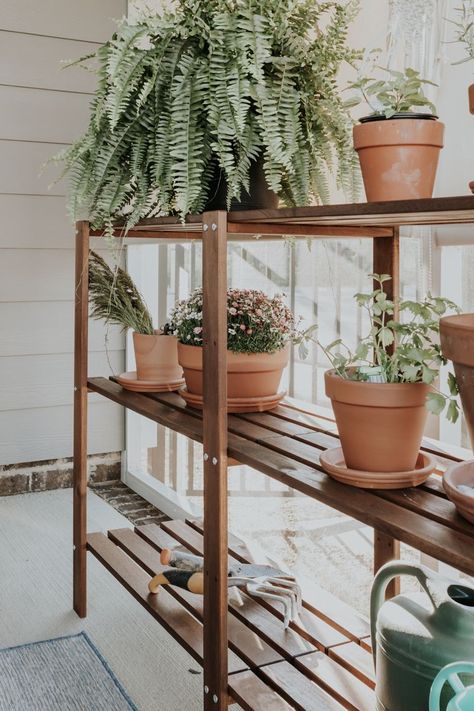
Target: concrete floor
x=35 y=601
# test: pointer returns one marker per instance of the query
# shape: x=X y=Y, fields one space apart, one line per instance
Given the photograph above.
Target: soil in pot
x=399 y=156
x=259 y=197
x=380 y=424
x=156 y=357
x=457 y=344
x=249 y=375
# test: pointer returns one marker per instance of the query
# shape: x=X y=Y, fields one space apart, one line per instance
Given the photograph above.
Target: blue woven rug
x=64 y=674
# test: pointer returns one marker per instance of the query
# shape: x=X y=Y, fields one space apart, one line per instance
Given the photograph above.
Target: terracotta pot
x=457 y=344
x=461 y=473
x=380 y=424
x=156 y=357
x=249 y=375
x=398 y=157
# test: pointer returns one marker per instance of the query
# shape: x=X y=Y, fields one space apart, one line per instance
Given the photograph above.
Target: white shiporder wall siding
x=43 y=108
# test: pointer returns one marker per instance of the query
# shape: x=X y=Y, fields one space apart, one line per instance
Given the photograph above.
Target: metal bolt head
x=206 y=457
x=205 y=227
x=206 y=689
x=214 y=460
x=214 y=227
x=215 y=699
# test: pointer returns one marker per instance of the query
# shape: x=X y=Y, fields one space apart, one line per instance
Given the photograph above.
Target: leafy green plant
x=114 y=297
x=205 y=89
x=464 y=33
x=404 y=350
x=401 y=92
x=256 y=323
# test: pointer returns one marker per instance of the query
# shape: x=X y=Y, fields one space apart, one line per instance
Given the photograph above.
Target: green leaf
x=435 y=402
x=452 y=413
x=453 y=384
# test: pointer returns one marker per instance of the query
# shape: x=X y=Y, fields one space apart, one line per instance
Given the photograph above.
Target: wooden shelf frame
x=378 y=221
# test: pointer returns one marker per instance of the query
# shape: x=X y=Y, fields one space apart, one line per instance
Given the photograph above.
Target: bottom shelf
x=321 y=663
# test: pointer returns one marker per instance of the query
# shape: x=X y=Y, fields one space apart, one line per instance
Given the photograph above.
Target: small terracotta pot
x=249 y=375
x=398 y=157
x=461 y=473
x=380 y=424
x=156 y=357
x=457 y=344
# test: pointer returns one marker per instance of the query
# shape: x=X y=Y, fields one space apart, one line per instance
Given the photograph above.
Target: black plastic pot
x=259 y=197
x=400 y=115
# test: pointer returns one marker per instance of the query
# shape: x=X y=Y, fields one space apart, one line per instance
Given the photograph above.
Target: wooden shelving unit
x=323 y=662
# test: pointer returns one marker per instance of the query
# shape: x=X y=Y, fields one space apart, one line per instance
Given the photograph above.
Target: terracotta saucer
x=129 y=381
x=462 y=473
x=332 y=460
x=237 y=404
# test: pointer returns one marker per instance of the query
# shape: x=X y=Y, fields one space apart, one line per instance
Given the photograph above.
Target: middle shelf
x=285 y=444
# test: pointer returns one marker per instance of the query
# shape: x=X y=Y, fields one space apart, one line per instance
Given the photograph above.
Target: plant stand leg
x=386 y=260
x=80 y=419
x=215 y=459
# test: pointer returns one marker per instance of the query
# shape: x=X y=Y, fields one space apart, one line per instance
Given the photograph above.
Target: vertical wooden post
x=386 y=260
x=80 y=418
x=215 y=459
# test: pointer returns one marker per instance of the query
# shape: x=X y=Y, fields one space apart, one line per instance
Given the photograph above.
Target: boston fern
x=208 y=87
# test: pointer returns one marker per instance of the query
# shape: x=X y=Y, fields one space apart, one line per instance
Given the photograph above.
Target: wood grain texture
x=386 y=260
x=214 y=264
x=81 y=308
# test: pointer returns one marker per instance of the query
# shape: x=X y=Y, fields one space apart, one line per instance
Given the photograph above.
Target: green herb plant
x=399 y=92
x=406 y=350
x=203 y=90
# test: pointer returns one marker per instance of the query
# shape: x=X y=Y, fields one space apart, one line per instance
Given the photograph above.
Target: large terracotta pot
x=380 y=424
x=398 y=156
x=249 y=375
x=457 y=344
x=156 y=357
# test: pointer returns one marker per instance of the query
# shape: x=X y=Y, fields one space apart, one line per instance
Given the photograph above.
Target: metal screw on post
x=215 y=699
x=206 y=689
x=205 y=228
x=214 y=227
x=206 y=457
x=214 y=460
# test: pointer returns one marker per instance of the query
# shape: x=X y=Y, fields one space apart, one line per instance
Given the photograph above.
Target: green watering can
x=416 y=635
x=464 y=699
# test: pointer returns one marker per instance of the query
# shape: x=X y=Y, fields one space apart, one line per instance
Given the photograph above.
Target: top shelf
x=376 y=219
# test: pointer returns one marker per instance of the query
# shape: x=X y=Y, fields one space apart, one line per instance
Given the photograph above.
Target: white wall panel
x=46 y=433
x=23 y=168
x=47 y=380
x=23 y=274
x=38 y=115
x=88 y=20
x=47 y=70
x=35 y=222
x=29 y=328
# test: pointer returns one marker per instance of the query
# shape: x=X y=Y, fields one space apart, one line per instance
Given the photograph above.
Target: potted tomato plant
x=398 y=146
x=381 y=392
x=115 y=299
x=260 y=330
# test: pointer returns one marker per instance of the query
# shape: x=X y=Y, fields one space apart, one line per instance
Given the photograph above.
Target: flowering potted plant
x=115 y=299
x=382 y=391
x=398 y=146
x=260 y=330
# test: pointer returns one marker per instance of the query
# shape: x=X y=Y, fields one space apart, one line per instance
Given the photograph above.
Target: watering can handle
x=449 y=673
x=386 y=573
